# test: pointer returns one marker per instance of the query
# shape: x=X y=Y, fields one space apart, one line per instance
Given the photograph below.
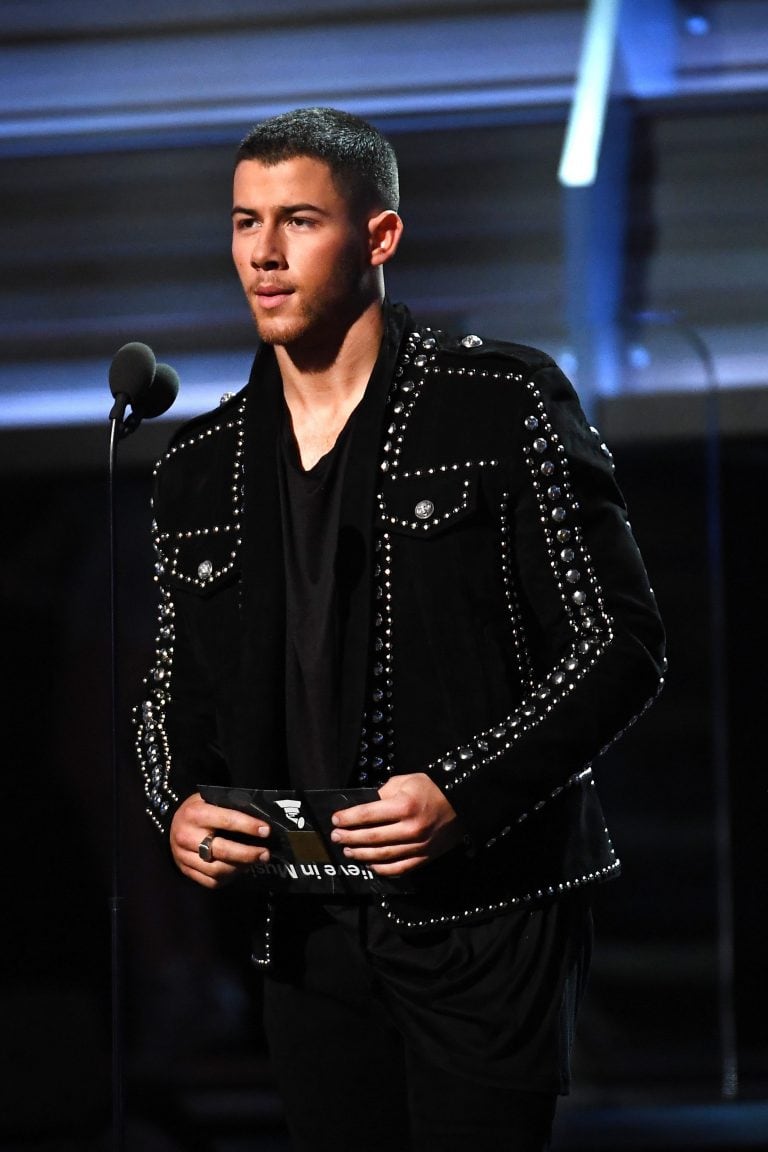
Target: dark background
x=109 y=236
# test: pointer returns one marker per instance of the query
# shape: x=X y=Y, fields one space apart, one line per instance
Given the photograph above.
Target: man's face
x=302 y=258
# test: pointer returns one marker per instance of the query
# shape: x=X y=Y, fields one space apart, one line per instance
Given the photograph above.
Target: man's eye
x=244 y=223
x=301 y=222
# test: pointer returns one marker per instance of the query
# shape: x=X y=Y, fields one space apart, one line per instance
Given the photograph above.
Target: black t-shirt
x=310 y=505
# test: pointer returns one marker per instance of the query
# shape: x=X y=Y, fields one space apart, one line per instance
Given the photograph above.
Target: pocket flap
x=200 y=560
x=428 y=502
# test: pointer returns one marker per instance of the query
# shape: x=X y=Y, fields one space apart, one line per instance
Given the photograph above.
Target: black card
x=303 y=858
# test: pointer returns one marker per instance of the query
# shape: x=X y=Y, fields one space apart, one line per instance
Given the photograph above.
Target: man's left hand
x=412 y=823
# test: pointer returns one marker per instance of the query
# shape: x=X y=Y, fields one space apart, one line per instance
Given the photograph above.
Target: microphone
x=137 y=379
x=160 y=395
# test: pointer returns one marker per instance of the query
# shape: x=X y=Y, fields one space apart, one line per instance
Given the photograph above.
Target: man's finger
x=379 y=835
x=386 y=853
x=223 y=850
x=229 y=820
x=229 y=860
x=368 y=815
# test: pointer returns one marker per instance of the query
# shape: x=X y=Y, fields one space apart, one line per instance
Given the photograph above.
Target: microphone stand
x=150 y=388
x=119 y=428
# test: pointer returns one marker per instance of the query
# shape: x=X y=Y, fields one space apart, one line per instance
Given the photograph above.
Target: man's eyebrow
x=283 y=210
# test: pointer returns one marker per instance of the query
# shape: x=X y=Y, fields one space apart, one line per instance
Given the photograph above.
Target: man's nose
x=266 y=251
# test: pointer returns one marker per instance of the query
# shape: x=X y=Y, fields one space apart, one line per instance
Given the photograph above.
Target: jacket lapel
x=355 y=558
x=263 y=605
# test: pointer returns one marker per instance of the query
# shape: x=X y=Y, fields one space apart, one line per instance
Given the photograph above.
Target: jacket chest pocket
x=429 y=503
x=201 y=560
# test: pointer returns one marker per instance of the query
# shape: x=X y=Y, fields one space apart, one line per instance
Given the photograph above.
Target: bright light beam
x=581 y=149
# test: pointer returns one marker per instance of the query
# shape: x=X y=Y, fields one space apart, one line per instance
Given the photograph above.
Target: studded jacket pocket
x=201 y=560
x=427 y=503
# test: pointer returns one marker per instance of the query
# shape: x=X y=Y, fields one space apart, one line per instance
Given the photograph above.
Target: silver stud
x=539 y=445
x=531 y=423
x=424 y=509
x=471 y=341
x=225 y=397
x=204 y=570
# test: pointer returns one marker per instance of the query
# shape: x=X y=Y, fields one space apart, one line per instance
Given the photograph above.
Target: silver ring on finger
x=204 y=849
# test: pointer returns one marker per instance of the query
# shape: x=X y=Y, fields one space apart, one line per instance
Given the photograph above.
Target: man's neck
x=321 y=396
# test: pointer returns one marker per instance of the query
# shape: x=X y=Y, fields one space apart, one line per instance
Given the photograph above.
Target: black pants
x=349 y=1074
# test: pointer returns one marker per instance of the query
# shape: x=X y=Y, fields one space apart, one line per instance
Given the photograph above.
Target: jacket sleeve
x=586 y=620
x=175 y=723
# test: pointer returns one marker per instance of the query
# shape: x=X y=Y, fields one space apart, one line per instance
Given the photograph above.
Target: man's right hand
x=194 y=821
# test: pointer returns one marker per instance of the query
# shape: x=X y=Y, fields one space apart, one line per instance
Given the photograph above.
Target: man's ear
x=384 y=232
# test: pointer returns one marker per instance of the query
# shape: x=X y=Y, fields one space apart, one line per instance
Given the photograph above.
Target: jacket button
x=204 y=570
x=424 y=509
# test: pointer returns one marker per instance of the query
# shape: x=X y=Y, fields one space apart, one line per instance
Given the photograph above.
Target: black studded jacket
x=499 y=631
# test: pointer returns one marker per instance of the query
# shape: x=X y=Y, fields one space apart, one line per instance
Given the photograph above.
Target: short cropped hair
x=362 y=161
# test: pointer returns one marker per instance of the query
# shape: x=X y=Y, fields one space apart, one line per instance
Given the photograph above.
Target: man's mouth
x=272 y=295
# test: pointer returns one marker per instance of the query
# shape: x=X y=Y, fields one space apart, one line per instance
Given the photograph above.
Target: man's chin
x=279 y=332
x=274 y=334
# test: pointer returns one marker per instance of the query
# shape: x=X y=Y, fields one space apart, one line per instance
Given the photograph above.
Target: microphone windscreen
x=160 y=395
x=131 y=371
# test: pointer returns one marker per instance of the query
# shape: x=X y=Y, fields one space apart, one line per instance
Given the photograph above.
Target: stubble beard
x=284 y=331
x=318 y=318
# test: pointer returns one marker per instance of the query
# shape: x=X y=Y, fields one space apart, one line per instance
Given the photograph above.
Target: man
x=398 y=559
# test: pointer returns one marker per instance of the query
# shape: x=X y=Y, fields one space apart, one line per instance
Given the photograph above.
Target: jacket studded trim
x=152 y=748
x=192 y=555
